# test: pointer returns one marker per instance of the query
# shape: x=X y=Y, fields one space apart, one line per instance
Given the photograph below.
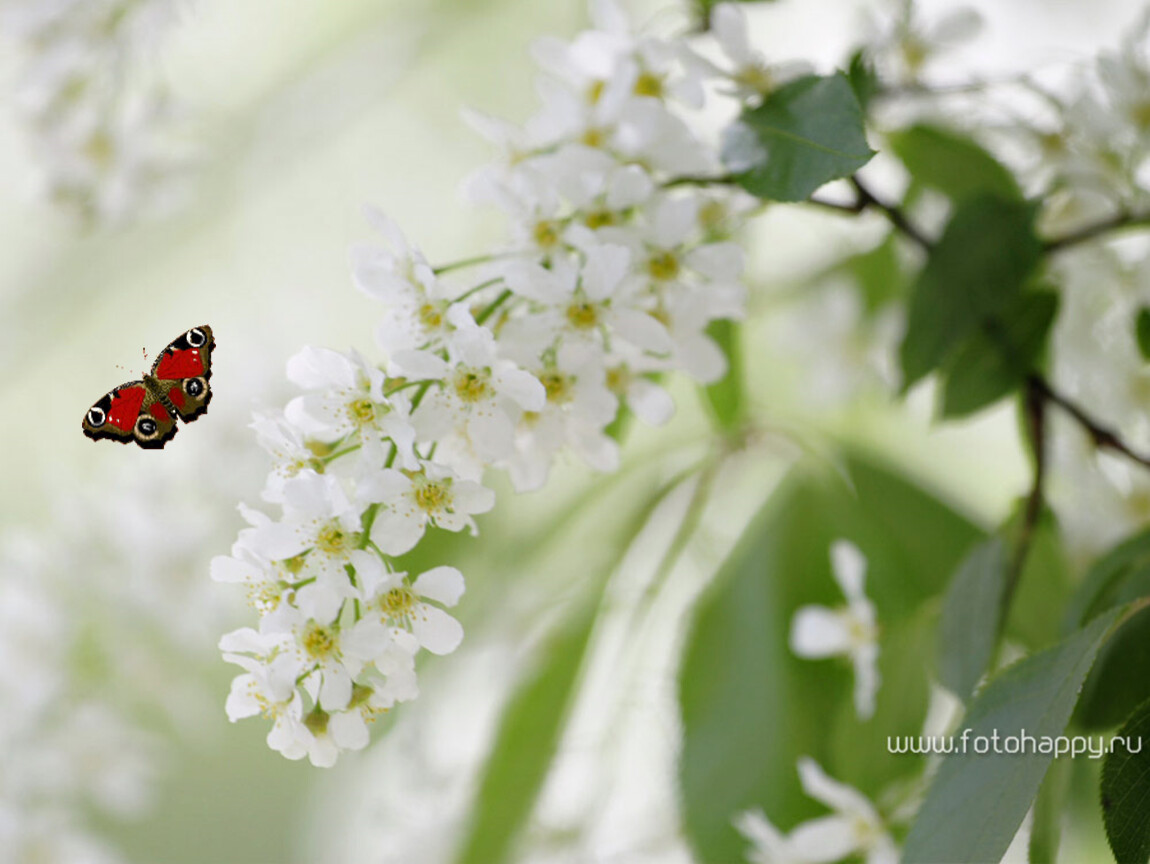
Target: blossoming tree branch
x=1012 y=264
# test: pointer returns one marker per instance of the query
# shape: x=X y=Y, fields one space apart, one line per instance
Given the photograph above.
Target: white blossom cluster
x=1089 y=146
x=100 y=123
x=617 y=261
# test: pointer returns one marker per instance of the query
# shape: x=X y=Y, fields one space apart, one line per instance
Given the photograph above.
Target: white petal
x=442 y=584
x=436 y=631
x=818 y=632
x=641 y=330
x=650 y=402
x=867 y=679
x=849 y=566
x=395 y=533
x=826 y=839
x=347 y=730
x=275 y=541
x=838 y=796
x=522 y=387
x=417 y=365
x=335 y=691
x=720 y=262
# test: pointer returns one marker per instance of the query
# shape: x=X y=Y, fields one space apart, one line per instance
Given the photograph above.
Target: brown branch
x=1091 y=232
x=1035 y=410
x=894 y=214
x=1102 y=436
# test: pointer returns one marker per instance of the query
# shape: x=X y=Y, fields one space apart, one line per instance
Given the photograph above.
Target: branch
x=1090 y=232
x=897 y=218
x=1102 y=436
x=1035 y=407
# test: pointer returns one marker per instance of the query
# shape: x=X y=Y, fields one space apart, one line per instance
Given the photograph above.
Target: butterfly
x=145 y=411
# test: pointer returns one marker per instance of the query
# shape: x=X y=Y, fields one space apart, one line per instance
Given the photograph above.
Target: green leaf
x=1125 y=788
x=976 y=802
x=1142 y=331
x=1046 y=829
x=1120 y=680
x=1119 y=576
x=1043 y=589
x=879 y=273
x=972 y=617
x=725 y=397
x=750 y=707
x=975 y=271
x=705 y=7
x=995 y=360
x=521 y=755
x=804 y=134
x=952 y=164
x=863 y=78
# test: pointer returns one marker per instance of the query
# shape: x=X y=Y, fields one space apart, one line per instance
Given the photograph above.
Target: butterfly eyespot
x=96 y=416
x=146 y=427
x=195 y=337
x=194 y=387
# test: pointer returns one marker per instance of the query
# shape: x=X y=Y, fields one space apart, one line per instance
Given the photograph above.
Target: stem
x=1102 y=436
x=1090 y=232
x=893 y=213
x=471 y=262
x=1035 y=420
x=477 y=289
x=495 y=304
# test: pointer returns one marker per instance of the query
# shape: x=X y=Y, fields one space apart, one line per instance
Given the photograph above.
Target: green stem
x=493 y=305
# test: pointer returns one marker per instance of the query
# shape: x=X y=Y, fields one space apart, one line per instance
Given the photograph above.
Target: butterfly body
x=145 y=411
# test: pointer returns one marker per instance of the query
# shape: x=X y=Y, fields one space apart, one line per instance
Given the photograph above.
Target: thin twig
x=1035 y=408
x=1102 y=436
x=1090 y=232
x=897 y=218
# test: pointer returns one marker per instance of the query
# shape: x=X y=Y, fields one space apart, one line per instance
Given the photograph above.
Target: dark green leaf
x=863 y=78
x=1125 y=788
x=524 y=746
x=750 y=707
x=976 y=270
x=1120 y=680
x=1119 y=576
x=804 y=134
x=972 y=617
x=996 y=358
x=1040 y=597
x=725 y=397
x=976 y=802
x=1142 y=332
x=952 y=163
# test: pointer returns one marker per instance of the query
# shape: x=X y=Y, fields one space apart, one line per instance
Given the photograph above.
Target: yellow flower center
x=397 y=604
x=472 y=385
x=100 y=149
x=331 y=539
x=582 y=315
x=546 y=234
x=320 y=642
x=433 y=496
x=599 y=219
x=559 y=387
x=593 y=138
x=361 y=412
x=663 y=266
x=619 y=380
x=1140 y=114
x=430 y=316
x=756 y=77
x=595 y=91
x=649 y=84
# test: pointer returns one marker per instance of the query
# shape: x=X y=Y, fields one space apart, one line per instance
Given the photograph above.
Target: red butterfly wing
x=130 y=413
x=182 y=372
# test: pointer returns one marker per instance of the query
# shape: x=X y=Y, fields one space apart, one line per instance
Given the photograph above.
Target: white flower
x=398 y=604
x=410 y=500
x=768 y=844
x=318 y=517
x=481 y=395
x=579 y=406
x=855 y=827
x=349 y=400
x=400 y=276
x=818 y=632
x=749 y=72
